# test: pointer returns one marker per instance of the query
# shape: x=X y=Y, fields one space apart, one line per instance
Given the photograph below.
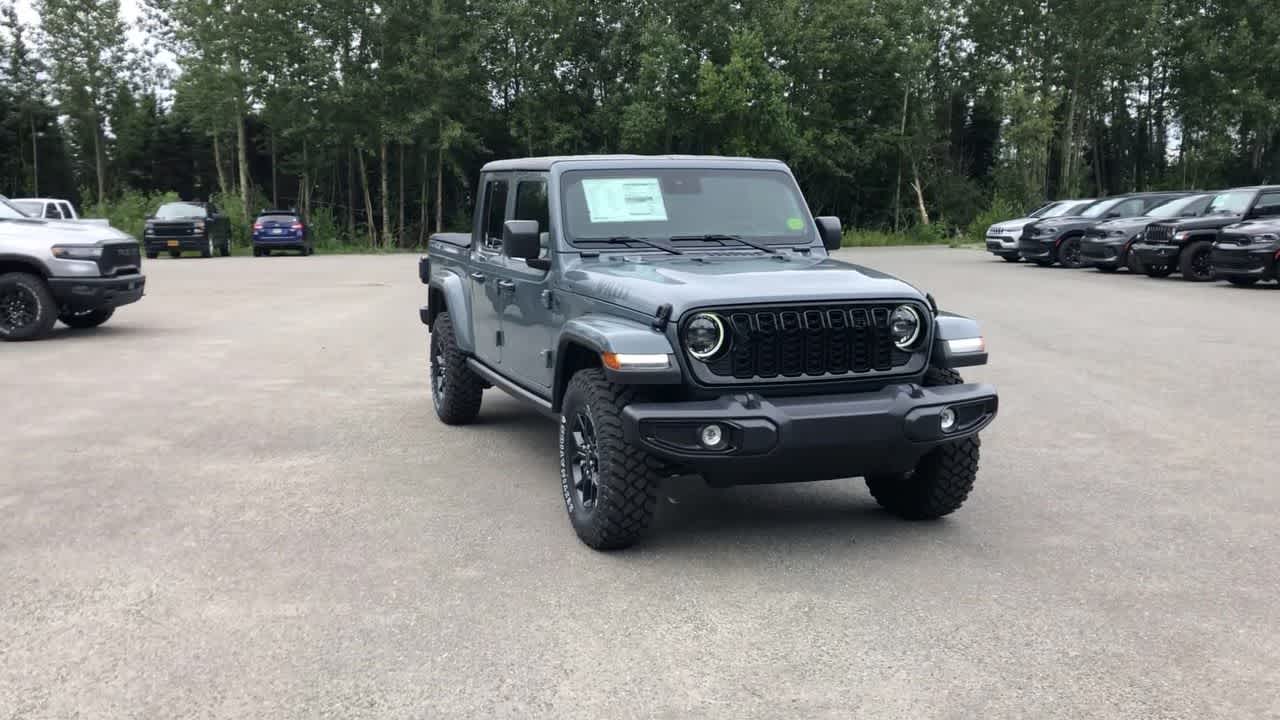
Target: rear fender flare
x=448 y=292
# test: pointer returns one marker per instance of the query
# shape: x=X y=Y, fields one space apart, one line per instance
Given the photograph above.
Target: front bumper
x=1102 y=253
x=795 y=439
x=80 y=294
x=1155 y=253
x=1036 y=248
x=1002 y=245
x=159 y=243
x=1244 y=261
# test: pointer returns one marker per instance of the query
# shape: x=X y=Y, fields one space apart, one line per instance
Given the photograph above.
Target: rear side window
x=52 y=212
x=1268 y=204
x=495 y=213
x=67 y=212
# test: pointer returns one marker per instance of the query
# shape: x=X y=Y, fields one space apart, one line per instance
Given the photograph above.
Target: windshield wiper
x=619 y=239
x=712 y=237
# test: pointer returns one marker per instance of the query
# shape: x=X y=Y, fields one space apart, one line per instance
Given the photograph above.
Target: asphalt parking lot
x=234 y=500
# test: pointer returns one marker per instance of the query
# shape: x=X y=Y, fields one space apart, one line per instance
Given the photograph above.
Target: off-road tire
x=257 y=252
x=941 y=480
x=175 y=254
x=459 y=402
x=1187 y=264
x=207 y=250
x=1069 y=253
x=1011 y=258
x=225 y=250
x=1133 y=263
x=86 y=320
x=626 y=477
x=1243 y=281
x=33 y=290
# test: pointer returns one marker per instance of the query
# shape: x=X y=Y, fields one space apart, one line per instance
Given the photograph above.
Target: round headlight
x=704 y=336
x=905 y=326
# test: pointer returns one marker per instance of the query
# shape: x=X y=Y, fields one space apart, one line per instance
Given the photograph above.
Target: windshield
x=1099 y=209
x=1066 y=208
x=1044 y=210
x=761 y=205
x=1231 y=203
x=1178 y=206
x=8 y=211
x=32 y=208
x=179 y=210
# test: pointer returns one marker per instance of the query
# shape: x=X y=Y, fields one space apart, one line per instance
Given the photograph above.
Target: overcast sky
x=128 y=8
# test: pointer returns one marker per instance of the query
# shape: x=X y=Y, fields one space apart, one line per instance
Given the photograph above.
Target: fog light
x=711 y=436
x=947 y=419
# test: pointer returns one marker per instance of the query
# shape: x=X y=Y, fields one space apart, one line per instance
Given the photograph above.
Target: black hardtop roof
x=544 y=164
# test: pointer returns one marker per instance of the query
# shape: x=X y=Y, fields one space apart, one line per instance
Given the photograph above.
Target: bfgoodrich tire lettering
x=941 y=480
x=456 y=392
x=609 y=486
x=27 y=308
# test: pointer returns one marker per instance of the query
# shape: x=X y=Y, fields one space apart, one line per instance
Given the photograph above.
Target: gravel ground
x=234 y=501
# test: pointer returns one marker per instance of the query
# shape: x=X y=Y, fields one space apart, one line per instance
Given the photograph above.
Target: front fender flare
x=957 y=342
x=600 y=334
x=448 y=292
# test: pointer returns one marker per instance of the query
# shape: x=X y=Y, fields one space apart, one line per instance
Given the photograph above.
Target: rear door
x=487 y=267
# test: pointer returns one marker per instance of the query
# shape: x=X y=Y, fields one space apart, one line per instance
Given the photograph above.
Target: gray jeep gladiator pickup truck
x=683 y=316
x=51 y=270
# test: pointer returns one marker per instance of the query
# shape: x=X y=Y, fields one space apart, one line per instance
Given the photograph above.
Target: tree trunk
x=222 y=171
x=440 y=190
x=99 y=159
x=897 y=186
x=1066 y=176
x=304 y=191
x=386 y=195
x=275 y=195
x=400 y=198
x=426 y=184
x=368 y=201
x=915 y=184
x=351 y=194
x=35 y=159
x=242 y=142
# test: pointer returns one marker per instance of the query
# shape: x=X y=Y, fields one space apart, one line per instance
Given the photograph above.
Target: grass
x=919 y=235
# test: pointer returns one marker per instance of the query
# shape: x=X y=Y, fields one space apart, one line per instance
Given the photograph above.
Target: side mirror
x=830 y=232
x=520 y=239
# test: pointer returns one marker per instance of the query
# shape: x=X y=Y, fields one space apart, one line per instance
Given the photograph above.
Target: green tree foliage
x=373 y=118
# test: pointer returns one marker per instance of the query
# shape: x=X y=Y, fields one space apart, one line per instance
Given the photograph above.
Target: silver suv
x=50 y=271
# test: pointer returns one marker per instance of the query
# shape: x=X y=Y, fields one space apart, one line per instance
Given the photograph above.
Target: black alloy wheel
x=19 y=308
x=1069 y=254
x=439 y=373
x=584 y=460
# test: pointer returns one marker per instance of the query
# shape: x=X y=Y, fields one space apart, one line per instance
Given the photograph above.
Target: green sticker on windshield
x=795 y=223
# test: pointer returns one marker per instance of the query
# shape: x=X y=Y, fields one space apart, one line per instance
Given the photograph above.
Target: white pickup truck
x=53 y=209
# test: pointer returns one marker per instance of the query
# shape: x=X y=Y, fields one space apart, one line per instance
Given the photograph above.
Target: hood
x=1126 y=225
x=1202 y=223
x=1266 y=226
x=1012 y=225
x=52 y=232
x=645 y=282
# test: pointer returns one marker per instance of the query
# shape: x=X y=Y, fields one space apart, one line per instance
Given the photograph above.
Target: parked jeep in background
x=187 y=227
x=1002 y=238
x=1107 y=246
x=1187 y=245
x=1247 y=252
x=52 y=271
x=1057 y=240
x=53 y=209
x=682 y=315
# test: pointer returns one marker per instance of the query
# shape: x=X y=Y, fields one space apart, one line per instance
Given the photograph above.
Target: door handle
x=478 y=276
x=506 y=285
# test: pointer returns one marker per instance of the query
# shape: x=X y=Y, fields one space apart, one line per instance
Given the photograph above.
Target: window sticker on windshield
x=795 y=223
x=624 y=200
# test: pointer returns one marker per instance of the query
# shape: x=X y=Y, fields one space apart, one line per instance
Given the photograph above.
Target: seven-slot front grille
x=1158 y=233
x=809 y=342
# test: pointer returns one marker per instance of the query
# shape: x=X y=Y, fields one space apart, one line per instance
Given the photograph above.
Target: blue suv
x=280 y=230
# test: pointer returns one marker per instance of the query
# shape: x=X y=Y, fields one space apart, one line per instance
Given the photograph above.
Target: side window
x=52 y=212
x=1268 y=204
x=67 y=212
x=1129 y=208
x=495 y=213
x=531 y=204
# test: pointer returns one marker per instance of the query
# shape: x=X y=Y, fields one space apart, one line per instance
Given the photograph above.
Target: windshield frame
x=563 y=175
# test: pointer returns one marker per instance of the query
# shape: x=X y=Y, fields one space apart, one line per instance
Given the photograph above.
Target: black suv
x=1108 y=245
x=1187 y=245
x=179 y=227
x=1057 y=240
x=1248 y=252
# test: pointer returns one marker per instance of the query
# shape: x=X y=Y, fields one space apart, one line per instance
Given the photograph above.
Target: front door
x=527 y=315
x=487 y=268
